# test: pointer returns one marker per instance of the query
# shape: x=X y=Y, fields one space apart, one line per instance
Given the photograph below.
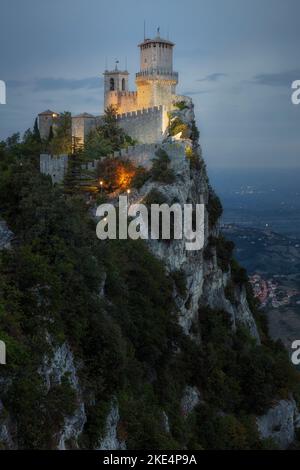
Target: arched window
x=123 y=84
x=111 y=84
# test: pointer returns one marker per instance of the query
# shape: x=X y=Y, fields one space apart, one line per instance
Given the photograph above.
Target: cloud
x=50 y=84
x=42 y=84
x=196 y=92
x=277 y=79
x=213 y=77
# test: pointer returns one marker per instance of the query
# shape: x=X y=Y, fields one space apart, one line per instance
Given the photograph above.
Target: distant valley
x=262 y=216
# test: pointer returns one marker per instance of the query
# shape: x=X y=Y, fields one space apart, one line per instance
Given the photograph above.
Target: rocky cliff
x=132 y=345
x=205 y=281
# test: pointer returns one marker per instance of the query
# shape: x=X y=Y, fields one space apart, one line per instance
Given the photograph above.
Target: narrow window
x=123 y=84
x=112 y=84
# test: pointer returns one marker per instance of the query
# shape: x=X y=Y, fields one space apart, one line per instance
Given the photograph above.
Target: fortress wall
x=81 y=127
x=125 y=101
x=143 y=154
x=145 y=125
x=54 y=165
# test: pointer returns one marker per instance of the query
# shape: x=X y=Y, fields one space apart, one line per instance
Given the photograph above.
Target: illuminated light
x=124 y=177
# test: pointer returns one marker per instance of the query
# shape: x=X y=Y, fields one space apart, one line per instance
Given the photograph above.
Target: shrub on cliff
x=176 y=126
x=214 y=208
x=160 y=168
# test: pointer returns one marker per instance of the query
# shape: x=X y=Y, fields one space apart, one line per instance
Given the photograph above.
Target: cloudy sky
x=236 y=58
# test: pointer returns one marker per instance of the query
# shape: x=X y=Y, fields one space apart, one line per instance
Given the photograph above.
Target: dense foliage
x=161 y=170
x=112 y=302
x=106 y=138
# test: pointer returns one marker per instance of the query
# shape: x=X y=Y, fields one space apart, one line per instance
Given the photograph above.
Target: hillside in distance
x=273 y=263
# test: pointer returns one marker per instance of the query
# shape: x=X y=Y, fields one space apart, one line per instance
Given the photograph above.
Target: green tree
x=36 y=132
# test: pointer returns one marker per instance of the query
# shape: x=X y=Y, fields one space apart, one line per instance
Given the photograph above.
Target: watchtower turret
x=115 y=82
x=156 y=81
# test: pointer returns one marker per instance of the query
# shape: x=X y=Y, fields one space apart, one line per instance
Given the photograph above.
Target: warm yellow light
x=54 y=115
x=128 y=191
x=101 y=183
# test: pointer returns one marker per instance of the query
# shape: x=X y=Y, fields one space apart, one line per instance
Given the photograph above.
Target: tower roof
x=48 y=112
x=84 y=115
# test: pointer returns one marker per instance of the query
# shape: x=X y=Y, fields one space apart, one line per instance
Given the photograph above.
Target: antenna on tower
x=144 y=30
x=125 y=62
x=106 y=66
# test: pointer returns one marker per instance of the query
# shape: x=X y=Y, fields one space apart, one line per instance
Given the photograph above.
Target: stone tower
x=46 y=120
x=156 y=82
x=115 y=86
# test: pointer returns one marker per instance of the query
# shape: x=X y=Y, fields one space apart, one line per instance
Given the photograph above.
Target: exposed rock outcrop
x=6 y=439
x=54 y=368
x=205 y=281
x=6 y=235
x=191 y=398
x=279 y=423
x=110 y=441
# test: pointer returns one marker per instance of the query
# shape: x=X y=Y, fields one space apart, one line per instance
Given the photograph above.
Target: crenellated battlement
x=143 y=154
x=146 y=125
x=140 y=112
x=123 y=93
x=54 y=165
x=157 y=74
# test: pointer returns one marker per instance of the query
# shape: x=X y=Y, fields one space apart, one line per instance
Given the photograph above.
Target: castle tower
x=46 y=120
x=156 y=82
x=115 y=85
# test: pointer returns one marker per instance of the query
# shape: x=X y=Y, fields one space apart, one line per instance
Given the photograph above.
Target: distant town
x=271 y=293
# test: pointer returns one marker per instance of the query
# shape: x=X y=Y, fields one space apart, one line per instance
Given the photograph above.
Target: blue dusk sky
x=235 y=58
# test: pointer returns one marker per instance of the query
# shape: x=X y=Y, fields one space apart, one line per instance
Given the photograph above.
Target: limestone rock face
x=214 y=296
x=191 y=398
x=279 y=423
x=6 y=439
x=59 y=364
x=6 y=235
x=186 y=188
x=244 y=315
x=53 y=369
x=205 y=281
x=110 y=440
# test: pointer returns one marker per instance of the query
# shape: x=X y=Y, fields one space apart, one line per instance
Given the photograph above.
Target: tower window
x=123 y=84
x=111 y=84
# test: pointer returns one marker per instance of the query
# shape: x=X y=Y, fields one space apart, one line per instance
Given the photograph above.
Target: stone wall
x=82 y=126
x=125 y=101
x=143 y=154
x=146 y=125
x=54 y=165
